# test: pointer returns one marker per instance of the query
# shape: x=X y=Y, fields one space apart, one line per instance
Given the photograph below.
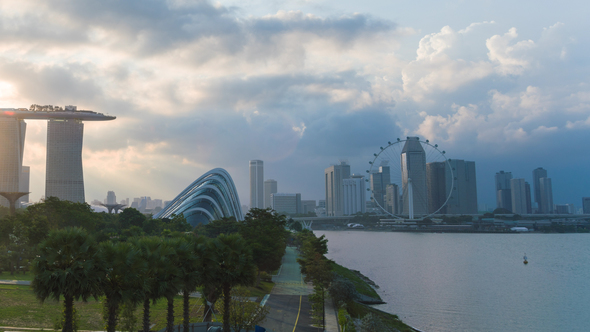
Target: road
x=288 y=303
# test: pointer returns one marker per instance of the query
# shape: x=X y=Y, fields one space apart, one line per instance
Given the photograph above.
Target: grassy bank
x=365 y=286
x=361 y=283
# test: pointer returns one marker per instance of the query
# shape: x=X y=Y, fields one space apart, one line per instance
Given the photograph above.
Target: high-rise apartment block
x=538 y=173
x=586 y=205
x=462 y=187
x=413 y=167
x=503 y=190
x=334 y=177
x=529 y=206
x=546 y=190
x=256 y=184
x=270 y=187
x=354 y=195
x=286 y=203
x=518 y=188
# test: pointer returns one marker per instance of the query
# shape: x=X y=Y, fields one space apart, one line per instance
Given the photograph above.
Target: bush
x=343 y=291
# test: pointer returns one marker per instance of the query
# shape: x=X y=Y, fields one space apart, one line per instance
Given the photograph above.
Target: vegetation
x=244 y=314
x=68 y=265
x=128 y=259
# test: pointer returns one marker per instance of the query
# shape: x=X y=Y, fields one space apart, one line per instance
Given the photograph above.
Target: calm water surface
x=474 y=282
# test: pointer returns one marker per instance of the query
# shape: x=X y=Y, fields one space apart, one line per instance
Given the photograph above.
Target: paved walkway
x=15 y=282
x=288 y=301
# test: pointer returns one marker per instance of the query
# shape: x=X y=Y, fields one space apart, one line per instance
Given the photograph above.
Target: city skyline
x=302 y=85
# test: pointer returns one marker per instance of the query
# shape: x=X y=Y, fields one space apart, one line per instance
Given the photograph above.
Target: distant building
x=562 y=209
x=546 y=190
x=538 y=173
x=334 y=176
x=270 y=187
x=586 y=205
x=379 y=181
x=392 y=199
x=25 y=178
x=308 y=206
x=256 y=184
x=518 y=193
x=354 y=195
x=111 y=198
x=529 y=206
x=322 y=203
x=463 y=194
x=413 y=167
x=503 y=190
x=286 y=203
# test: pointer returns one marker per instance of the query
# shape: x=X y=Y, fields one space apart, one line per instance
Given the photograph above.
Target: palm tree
x=124 y=280
x=68 y=265
x=233 y=266
x=157 y=254
x=169 y=282
x=191 y=256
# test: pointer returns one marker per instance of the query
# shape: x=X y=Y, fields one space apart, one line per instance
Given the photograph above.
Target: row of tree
x=73 y=265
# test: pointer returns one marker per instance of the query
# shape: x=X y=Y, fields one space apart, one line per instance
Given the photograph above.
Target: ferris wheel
x=410 y=178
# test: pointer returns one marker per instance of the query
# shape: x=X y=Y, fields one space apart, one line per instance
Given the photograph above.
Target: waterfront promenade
x=288 y=301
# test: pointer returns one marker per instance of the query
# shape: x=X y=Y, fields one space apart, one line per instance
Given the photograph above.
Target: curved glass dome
x=212 y=196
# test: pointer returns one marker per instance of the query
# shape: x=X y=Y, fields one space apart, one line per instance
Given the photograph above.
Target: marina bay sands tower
x=65 y=128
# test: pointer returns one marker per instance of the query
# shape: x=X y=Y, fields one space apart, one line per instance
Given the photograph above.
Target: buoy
x=525 y=260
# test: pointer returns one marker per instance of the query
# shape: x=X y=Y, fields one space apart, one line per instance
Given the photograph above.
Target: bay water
x=474 y=282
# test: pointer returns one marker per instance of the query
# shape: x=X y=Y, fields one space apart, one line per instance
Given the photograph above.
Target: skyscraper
x=586 y=205
x=463 y=198
x=503 y=191
x=111 y=198
x=64 y=176
x=270 y=187
x=518 y=193
x=354 y=195
x=546 y=191
x=527 y=189
x=334 y=176
x=12 y=143
x=538 y=173
x=256 y=184
x=379 y=181
x=392 y=200
x=413 y=165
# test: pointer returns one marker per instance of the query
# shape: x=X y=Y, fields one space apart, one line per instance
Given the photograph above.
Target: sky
x=301 y=85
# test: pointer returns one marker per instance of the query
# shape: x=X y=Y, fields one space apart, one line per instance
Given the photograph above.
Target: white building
x=256 y=184
x=354 y=195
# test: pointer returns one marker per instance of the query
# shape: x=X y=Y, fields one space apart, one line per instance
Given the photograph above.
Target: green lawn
x=20 y=308
x=17 y=276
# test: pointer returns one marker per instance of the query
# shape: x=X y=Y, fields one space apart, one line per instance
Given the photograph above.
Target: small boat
x=525 y=259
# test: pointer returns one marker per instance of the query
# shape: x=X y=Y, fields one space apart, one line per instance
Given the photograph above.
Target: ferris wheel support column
x=410 y=199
